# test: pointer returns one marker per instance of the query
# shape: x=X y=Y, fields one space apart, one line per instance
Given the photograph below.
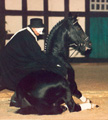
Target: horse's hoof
x=94 y=105
x=14 y=103
x=97 y=106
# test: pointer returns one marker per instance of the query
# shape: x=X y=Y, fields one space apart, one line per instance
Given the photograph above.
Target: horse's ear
x=69 y=14
x=73 y=16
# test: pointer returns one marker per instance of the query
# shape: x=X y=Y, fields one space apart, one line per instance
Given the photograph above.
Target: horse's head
x=76 y=36
x=67 y=33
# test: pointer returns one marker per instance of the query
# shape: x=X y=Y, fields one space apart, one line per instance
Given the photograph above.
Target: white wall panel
x=13 y=4
x=35 y=5
x=53 y=21
x=13 y=23
x=77 y=5
x=56 y=5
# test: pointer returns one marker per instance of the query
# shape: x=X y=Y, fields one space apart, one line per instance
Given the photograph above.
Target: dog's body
x=44 y=92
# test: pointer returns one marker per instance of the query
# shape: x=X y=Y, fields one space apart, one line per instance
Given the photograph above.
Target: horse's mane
x=49 y=36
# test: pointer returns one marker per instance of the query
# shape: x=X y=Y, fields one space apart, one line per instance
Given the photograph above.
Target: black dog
x=43 y=92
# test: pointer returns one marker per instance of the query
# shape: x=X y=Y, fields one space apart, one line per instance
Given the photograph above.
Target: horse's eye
x=78 y=28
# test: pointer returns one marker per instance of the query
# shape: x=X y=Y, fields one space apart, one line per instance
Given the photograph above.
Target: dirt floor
x=92 y=80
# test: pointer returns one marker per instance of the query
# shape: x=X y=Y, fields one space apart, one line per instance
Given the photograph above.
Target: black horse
x=67 y=33
x=44 y=91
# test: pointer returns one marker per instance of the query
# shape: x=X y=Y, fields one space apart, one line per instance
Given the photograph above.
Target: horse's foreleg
x=72 y=83
x=73 y=86
x=84 y=99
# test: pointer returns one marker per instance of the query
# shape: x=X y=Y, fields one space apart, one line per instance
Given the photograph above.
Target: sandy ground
x=92 y=80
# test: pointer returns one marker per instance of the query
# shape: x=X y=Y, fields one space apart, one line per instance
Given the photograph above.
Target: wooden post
x=24 y=11
x=2 y=24
x=66 y=8
x=45 y=21
x=66 y=13
x=87 y=11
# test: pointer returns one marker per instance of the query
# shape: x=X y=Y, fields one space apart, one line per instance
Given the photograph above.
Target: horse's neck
x=58 y=46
